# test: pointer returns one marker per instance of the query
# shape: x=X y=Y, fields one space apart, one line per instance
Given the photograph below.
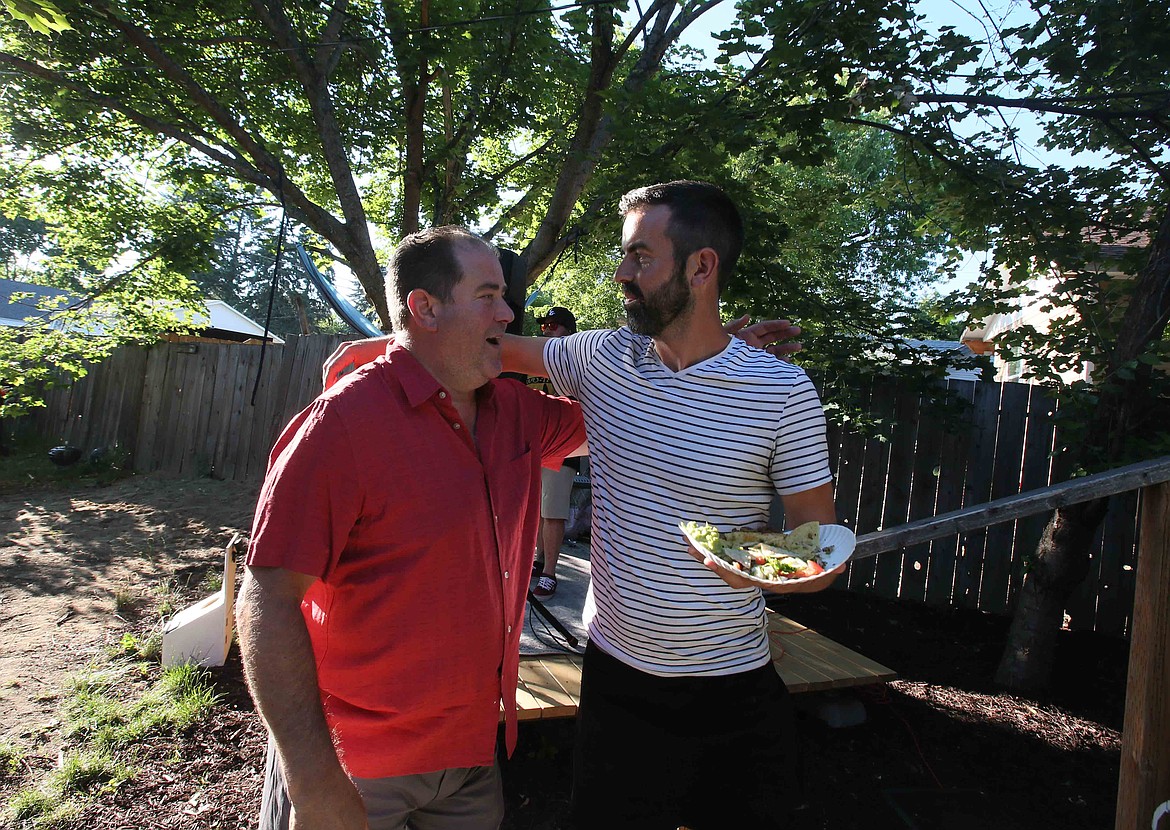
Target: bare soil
x=940 y=747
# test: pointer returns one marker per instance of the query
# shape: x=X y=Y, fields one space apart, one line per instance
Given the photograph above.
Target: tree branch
x=495 y=178
x=1140 y=152
x=511 y=211
x=1061 y=106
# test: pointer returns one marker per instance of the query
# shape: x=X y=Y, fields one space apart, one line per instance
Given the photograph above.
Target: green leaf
x=41 y=15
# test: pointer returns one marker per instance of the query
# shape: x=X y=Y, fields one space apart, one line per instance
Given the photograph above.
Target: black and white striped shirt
x=713 y=443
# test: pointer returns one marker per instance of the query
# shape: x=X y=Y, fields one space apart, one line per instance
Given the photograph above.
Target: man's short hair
x=427 y=260
x=701 y=216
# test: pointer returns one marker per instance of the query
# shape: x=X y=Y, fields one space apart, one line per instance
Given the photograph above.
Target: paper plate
x=838 y=537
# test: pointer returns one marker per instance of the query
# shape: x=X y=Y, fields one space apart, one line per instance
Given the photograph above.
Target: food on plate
x=762 y=554
x=804 y=540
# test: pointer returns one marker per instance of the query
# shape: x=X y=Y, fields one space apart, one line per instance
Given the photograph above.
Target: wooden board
x=900 y=474
x=550 y=684
x=969 y=565
x=923 y=495
x=1145 y=744
x=1005 y=481
x=953 y=454
x=874 y=464
x=808 y=661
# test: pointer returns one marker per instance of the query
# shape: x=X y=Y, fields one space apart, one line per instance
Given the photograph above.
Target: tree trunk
x=1060 y=564
x=359 y=256
x=414 y=93
x=1123 y=413
x=595 y=126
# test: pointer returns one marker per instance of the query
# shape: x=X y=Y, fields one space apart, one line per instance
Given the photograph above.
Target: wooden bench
x=550 y=684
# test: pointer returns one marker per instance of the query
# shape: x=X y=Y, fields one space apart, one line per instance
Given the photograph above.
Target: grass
x=107 y=710
x=90 y=772
x=11 y=759
x=125 y=600
x=98 y=714
x=40 y=809
x=57 y=800
x=211 y=582
x=138 y=648
x=168 y=599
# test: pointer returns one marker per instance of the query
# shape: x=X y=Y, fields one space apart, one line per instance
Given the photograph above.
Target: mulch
x=939 y=748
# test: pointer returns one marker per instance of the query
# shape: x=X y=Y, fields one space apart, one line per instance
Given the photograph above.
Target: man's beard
x=651 y=315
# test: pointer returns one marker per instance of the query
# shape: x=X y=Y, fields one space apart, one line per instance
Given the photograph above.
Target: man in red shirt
x=381 y=611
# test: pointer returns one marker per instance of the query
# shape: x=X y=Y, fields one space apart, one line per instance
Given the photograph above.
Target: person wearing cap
x=556 y=486
x=558 y=321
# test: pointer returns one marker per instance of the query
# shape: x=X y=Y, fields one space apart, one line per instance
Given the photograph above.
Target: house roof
x=943 y=347
x=939 y=345
x=971 y=368
x=17 y=307
x=222 y=319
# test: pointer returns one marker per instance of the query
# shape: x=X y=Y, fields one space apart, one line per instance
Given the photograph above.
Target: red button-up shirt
x=423 y=545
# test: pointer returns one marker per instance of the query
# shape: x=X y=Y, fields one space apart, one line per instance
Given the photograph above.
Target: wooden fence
x=1002 y=446
x=192 y=409
x=188 y=409
x=1144 y=782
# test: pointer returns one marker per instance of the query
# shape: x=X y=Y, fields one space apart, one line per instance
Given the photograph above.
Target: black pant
x=663 y=752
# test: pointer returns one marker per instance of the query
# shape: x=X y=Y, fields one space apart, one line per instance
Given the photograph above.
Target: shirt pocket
x=515 y=497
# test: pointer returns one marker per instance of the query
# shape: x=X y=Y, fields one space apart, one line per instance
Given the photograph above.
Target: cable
x=545 y=634
x=272 y=285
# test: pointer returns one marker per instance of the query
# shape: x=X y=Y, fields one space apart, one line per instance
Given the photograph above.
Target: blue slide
x=344 y=308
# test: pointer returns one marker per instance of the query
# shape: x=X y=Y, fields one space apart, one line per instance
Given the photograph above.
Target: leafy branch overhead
x=429 y=114
x=521 y=120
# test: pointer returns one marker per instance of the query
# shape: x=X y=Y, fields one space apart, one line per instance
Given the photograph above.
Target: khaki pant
x=468 y=798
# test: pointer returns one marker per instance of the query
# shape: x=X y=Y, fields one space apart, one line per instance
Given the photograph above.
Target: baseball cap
x=559 y=314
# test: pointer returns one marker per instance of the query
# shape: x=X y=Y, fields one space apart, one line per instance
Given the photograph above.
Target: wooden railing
x=1144 y=783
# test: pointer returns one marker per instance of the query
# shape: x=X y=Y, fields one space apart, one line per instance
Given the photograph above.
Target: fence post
x=1145 y=743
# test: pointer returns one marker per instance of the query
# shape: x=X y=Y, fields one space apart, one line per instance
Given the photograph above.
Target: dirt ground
x=940 y=747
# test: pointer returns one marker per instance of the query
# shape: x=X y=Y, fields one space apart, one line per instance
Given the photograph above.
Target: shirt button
x=442 y=394
x=457 y=426
x=506 y=575
x=509 y=629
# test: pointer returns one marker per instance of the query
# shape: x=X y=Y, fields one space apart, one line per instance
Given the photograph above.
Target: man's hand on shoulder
x=349 y=356
x=773 y=336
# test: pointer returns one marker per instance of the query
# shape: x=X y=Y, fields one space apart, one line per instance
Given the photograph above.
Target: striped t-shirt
x=713 y=443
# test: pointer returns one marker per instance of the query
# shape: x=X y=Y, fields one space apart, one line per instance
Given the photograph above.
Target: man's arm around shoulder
x=282 y=675
x=523 y=354
x=351 y=355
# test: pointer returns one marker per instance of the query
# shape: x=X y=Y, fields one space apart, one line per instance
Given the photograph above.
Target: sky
x=967 y=17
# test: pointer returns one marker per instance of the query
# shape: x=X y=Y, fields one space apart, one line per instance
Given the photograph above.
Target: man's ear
x=422 y=307
x=703 y=267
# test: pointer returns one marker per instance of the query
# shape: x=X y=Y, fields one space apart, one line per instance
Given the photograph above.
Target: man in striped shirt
x=683 y=719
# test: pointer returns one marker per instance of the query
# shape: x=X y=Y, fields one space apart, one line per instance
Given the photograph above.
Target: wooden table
x=550 y=684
